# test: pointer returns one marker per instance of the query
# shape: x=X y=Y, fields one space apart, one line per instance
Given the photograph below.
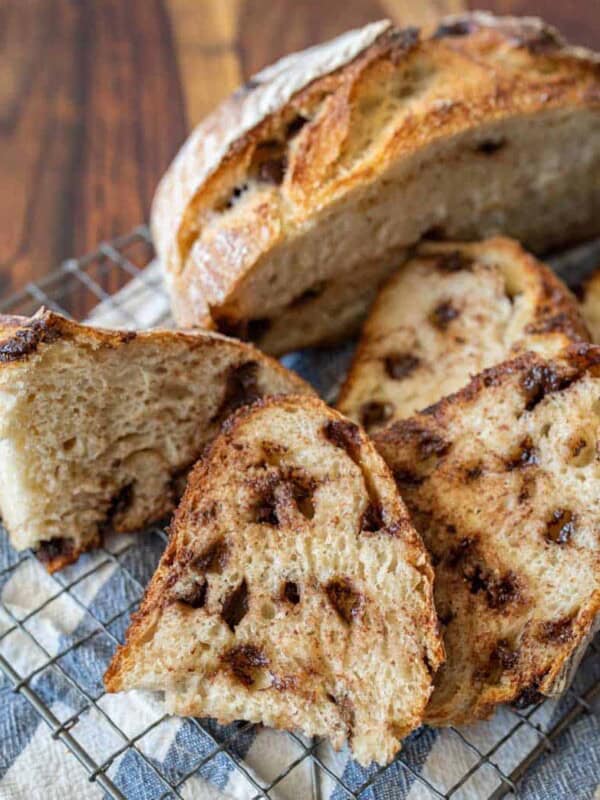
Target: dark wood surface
x=97 y=95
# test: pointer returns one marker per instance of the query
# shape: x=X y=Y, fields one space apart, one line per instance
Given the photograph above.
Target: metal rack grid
x=73 y=288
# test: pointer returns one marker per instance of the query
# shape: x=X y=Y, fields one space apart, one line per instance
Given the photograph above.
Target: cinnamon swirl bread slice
x=502 y=480
x=453 y=310
x=294 y=590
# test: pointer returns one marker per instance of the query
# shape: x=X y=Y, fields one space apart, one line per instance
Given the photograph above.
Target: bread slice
x=289 y=205
x=450 y=312
x=590 y=305
x=98 y=427
x=294 y=590
x=502 y=480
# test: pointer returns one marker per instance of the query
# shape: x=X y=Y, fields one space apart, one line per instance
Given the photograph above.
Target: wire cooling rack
x=32 y=665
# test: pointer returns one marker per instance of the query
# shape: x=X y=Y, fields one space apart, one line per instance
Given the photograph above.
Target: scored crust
x=451 y=311
x=98 y=428
x=294 y=590
x=502 y=481
x=288 y=206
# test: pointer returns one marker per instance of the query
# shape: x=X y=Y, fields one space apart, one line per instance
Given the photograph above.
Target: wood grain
x=205 y=45
x=91 y=112
x=97 y=95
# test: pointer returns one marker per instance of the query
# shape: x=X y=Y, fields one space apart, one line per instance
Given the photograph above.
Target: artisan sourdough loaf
x=98 y=427
x=447 y=314
x=294 y=590
x=502 y=479
x=290 y=204
x=590 y=305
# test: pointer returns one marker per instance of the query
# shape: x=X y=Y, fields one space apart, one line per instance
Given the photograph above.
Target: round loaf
x=294 y=200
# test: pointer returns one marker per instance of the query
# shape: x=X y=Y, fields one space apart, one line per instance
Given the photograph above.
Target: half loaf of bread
x=289 y=205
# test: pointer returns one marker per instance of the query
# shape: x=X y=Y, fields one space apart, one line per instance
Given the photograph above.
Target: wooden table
x=97 y=95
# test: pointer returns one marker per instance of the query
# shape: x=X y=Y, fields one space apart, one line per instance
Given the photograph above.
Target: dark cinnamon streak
x=241 y=388
x=26 y=340
x=55 y=548
x=558 y=630
x=400 y=365
x=375 y=413
x=243 y=661
x=345 y=435
x=235 y=606
x=213 y=559
x=345 y=599
x=540 y=380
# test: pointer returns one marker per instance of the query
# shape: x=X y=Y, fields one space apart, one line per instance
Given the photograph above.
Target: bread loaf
x=294 y=590
x=451 y=311
x=502 y=480
x=97 y=428
x=288 y=206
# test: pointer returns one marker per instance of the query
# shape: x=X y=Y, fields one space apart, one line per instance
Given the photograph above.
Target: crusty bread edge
x=224 y=132
x=20 y=338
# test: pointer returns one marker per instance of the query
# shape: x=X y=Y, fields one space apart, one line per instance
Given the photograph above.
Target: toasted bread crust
x=506 y=66
x=29 y=348
x=451 y=311
x=499 y=479
x=21 y=337
x=299 y=675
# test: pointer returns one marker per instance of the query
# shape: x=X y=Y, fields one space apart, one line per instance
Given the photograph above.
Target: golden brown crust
x=220 y=140
x=20 y=338
x=504 y=67
x=496 y=478
x=576 y=360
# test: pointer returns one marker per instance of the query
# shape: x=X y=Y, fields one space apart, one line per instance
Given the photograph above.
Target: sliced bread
x=447 y=314
x=294 y=590
x=289 y=205
x=97 y=428
x=502 y=480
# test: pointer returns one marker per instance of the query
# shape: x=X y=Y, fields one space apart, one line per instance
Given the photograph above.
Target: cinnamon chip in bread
x=451 y=311
x=294 y=590
x=289 y=205
x=98 y=427
x=502 y=479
